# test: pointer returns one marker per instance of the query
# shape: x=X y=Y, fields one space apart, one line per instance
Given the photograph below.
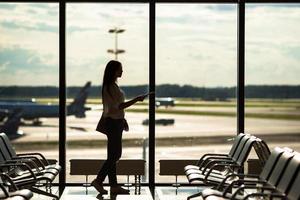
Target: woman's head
x=113 y=70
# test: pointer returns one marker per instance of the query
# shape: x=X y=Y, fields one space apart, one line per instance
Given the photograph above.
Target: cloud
x=40 y=26
x=4 y=66
x=195 y=41
x=72 y=29
x=274 y=5
x=26 y=67
x=19 y=58
x=7 y=6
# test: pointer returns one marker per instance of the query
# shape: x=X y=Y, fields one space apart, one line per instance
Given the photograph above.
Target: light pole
x=116 y=51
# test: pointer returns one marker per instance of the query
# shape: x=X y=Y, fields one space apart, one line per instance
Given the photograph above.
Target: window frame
x=152 y=3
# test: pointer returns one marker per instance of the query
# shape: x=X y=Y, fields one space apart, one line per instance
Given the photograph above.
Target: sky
x=196 y=44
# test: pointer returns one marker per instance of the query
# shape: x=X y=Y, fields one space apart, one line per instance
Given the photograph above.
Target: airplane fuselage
x=32 y=110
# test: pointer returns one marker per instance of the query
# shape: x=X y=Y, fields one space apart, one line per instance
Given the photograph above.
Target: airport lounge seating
x=271 y=171
x=17 y=195
x=13 y=178
x=211 y=161
x=23 y=173
x=282 y=183
x=206 y=157
x=38 y=158
x=32 y=161
x=210 y=175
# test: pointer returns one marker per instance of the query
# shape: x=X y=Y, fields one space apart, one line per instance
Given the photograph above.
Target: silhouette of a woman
x=113 y=110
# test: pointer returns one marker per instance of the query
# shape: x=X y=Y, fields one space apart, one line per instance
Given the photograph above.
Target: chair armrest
x=212 y=168
x=19 y=165
x=214 y=162
x=36 y=154
x=25 y=160
x=38 y=161
x=221 y=185
x=6 y=177
x=242 y=181
x=207 y=155
x=4 y=191
x=211 y=159
x=252 y=187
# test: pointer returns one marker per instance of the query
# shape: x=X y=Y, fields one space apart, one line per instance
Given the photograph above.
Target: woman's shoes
x=113 y=189
x=99 y=187
x=118 y=190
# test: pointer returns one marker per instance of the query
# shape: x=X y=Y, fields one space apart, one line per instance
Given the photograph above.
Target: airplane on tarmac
x=33 y=111
x=11 y=123
x=167 y=101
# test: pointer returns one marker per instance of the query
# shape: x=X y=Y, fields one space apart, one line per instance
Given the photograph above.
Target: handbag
x=101 y=126
x=125 y=125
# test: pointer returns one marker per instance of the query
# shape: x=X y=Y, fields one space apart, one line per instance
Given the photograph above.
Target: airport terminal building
x=224 y=104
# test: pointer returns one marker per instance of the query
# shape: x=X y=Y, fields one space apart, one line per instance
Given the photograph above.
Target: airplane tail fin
x=12 y=123
x=77 y=106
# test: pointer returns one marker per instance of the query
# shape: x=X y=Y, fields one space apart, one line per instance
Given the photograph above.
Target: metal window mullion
x=152 y=97
x=241 y=68
x=62 y=95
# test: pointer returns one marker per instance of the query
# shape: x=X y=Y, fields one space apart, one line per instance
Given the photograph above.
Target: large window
x=196 y=76
x=94 y=33
x=29 y=76
x=196 y=80
x=272 y=73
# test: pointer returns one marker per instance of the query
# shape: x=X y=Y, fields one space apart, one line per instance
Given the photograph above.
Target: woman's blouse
x=111 y=99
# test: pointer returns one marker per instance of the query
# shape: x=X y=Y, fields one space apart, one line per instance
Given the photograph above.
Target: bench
x=174 y=168
x=135 y=167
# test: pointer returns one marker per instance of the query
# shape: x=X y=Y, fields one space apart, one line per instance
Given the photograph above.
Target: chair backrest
x=294 y=191
x=246 y=150
x=235 y=144
x=8 y=145
x=4 y=151
x=270 y=164
x=262 y=151
x=287 y=177
x=240 y=147
x=280 y=168
x=2 y=160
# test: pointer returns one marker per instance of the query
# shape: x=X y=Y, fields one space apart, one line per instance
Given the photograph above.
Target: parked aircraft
x=33 y=111
x=168 y=101
x=11 y=123
x=163 y=122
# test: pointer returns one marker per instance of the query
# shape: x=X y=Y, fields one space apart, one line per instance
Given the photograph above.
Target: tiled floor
x=171 y=193
x=90 y=193
x=161 y=193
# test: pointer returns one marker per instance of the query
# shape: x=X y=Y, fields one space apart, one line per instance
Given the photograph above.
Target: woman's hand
x=141 y=97
x=133 y=101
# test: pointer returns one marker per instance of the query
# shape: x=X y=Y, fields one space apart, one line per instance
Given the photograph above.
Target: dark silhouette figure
x=113 y=110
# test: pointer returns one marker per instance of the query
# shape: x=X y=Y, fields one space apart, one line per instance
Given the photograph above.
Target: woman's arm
x=127 y=104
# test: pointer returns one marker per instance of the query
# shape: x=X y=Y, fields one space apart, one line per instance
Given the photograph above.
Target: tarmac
x=188 y=138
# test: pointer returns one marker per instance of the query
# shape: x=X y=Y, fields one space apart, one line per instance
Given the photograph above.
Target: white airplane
x=167 y=101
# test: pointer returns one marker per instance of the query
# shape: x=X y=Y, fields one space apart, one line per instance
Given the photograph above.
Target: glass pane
x=272 y=73
x=94 y=32
x=196 y=81
x=29 y=76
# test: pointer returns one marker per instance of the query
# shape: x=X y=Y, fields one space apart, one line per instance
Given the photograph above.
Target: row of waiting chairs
x=23 y=174
x=280 y=176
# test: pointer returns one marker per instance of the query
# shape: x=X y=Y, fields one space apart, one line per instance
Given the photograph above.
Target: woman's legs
x=114 y=151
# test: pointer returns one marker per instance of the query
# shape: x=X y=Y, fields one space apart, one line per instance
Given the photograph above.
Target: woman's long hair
x=109 y=74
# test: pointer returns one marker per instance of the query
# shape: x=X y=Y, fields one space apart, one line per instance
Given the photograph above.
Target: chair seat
x=27 y=194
